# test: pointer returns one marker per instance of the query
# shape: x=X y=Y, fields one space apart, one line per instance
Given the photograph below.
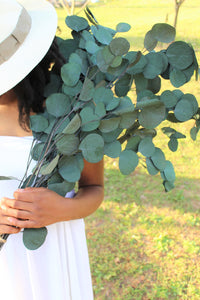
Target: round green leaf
x=104 y=95
x=92 y=147
x=107 y=55
x=61 y=188
x=119 y=46
x=149 y=41
x=184 y=110
x=67 y=47
x=76 y=23
x=37 y=151
x=91 y=47
x=84 y=56
x=116 y=62
x=48 y=168
x=128 y=119
x=100 y=110
x=152 y=170
x=75 y=59
x=72 y=90
x=145 y=95
x=87 y=36
x=133 y=143
x=193 y=133
x=70 y=73
x=138 y=67
x=146 y=147
x=180 y=55
x=58 y=104
x=123 y=27
x=33 y=238
x=55 y=178
x=154 y=85
x=115 y=72
x=52 y=121
x=128 y=161
x=90 y=121
x=99 y=60
x=164 y=59
x=102 y=34
x=193 y=101
x=113 y=104
x=38 y=123
x=112 y=135
x=189 y=72
x=178 y=94
x=108 y=125
x=53 y=86
x=123 y=85
x=163 y=32
x=158 y=159
x=125 y=106
x=62 y=124
x=169 y=171
x=154 y=65
x=68 y=144
x=151 y=117
x=73 y=125
x=177 y=78
x=87 y=90
x=169 y=99
x=112 y=149
x=69 y=168
x=168 y=185
x=141 y=82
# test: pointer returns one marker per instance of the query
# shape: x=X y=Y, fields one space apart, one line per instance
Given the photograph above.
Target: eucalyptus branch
x=129 y=132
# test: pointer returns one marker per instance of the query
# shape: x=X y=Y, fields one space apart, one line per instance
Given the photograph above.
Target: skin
x=38 y=207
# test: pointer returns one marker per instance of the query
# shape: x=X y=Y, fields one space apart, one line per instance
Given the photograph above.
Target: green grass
x=144 y=243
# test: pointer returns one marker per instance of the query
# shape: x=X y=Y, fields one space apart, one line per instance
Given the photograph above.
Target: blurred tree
x=69 y=5
x=178 y=4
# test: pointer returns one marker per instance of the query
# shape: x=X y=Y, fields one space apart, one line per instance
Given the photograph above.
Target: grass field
x=144 y=243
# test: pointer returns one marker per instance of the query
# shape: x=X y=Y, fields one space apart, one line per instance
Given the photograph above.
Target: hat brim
x=35 y=46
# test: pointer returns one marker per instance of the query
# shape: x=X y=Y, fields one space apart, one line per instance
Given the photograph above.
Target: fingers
x=23 y=223
x=16 y=204
x=6 y=229
x=19 y=214
x=28 y=194
x=24 y=195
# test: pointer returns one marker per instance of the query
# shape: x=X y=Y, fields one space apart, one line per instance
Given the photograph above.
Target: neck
x=9 y=114
x=8 y=98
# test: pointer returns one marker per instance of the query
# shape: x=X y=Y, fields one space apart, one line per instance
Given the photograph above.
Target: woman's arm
x=38 y=207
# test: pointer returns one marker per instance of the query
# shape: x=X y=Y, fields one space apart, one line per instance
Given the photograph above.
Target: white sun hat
x=27 y=30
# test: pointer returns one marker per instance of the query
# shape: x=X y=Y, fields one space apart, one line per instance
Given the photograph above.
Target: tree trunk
x=83 y=6
x=178 y=4
x=72 y=6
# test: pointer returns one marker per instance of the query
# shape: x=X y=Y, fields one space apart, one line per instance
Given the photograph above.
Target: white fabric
x=59 y=269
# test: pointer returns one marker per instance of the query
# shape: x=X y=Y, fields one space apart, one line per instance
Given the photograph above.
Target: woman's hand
x=38 y=207
x=5 y=226
x=32 y=208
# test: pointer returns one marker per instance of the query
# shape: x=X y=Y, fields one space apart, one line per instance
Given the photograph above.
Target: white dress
x=59 y=269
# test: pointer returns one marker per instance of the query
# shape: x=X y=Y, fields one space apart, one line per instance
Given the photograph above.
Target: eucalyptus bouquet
x=89 y=112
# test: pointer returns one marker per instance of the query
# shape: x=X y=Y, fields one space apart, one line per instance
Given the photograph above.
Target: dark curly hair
x=30 y=91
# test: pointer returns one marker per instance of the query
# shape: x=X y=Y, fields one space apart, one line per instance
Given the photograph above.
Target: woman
x=59 y=269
